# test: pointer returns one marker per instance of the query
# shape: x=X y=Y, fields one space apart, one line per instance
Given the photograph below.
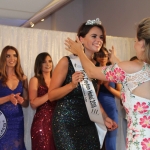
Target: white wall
x=118 y=16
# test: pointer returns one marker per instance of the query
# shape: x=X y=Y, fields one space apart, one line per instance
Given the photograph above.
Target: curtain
x=30 y=42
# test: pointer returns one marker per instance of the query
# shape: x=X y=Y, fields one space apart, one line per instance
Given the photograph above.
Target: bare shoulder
x=62 y=64
x=63 y=61
x=131 y=66
x=34 y=79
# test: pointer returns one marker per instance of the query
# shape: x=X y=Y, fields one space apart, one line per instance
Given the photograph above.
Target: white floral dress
x=137 y=108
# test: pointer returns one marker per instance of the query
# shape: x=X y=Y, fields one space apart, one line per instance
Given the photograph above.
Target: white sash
x=91 y=100
x=3 y=124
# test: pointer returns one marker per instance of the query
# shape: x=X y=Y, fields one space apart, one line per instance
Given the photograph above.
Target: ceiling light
x=42 y=19
x=46 y=11
x=31 y=24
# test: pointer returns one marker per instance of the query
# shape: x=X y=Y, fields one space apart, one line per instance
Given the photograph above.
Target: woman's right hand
x=76 y=77
x=110 y=124
x=112 y=56
x=13 y=99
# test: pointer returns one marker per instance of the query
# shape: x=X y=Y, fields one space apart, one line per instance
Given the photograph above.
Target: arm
x=56 y=90
x=91 y=70
x=35 y=101
x=110 y=124
x=115 y=92
x=8 y=98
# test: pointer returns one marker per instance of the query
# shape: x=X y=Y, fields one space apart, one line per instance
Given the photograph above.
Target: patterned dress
x=41 y=130
x=13 y=139
x=137 y=108
x=72 y=127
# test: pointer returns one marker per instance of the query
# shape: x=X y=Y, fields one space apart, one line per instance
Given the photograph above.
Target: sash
x=3 y=124
x=91 y=100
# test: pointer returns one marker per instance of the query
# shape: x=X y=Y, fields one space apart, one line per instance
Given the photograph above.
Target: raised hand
x=72 y=46
x=112 y=56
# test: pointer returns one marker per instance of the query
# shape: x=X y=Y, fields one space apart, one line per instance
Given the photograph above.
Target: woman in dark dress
x=72 y=127
x=41 y=132
x=13 y=95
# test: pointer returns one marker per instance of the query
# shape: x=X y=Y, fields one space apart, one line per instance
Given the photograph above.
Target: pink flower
x=141 y=107
x=145 y=144
x=120 y=74
x=145 y=122
x=129 y=122
x=127 y=111
x=123 y=97
x=110 y=76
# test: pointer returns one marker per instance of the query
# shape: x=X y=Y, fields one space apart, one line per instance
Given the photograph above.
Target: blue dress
x=13 y=139
x=107 y=100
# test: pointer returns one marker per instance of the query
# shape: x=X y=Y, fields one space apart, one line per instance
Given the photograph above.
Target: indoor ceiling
x=18 y=12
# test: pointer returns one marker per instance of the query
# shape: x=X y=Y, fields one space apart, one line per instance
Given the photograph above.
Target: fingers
x=20 y=100
x=77 y=39
x=13 y=99
x=77 y=77
x=16 y=98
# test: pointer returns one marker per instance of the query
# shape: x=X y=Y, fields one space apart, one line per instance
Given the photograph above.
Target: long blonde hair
x=143 y=33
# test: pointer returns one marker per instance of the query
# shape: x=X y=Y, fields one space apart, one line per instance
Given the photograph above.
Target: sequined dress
x=41 y=131
x=13 y=139
x=72 y=128
x=137 y=108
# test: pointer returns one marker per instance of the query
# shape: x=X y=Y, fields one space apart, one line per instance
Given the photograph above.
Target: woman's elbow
x=33 y=106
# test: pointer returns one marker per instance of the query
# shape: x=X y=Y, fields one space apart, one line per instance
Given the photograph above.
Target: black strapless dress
x=72 y=127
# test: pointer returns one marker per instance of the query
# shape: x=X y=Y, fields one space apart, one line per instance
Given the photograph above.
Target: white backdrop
x=30 y=42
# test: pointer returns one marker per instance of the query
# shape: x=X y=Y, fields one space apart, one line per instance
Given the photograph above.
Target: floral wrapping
x=137 y=108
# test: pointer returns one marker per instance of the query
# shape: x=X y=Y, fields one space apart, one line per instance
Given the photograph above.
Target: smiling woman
x=13 y=95
x=41 y=132
x=72 y=127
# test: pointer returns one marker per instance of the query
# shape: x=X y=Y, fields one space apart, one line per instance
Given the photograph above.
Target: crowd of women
x=62 y=120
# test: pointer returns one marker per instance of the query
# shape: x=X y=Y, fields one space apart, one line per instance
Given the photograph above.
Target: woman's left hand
x=20 y=100
x=110 y=124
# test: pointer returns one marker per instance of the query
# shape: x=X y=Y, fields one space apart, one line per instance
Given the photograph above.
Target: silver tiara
x=92 y=22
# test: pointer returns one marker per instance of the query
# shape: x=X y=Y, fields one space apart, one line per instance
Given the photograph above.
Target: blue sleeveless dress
x=13 y=138
x=107 y=100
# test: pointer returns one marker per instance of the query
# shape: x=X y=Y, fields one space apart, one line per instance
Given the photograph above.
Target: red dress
x=41 y=129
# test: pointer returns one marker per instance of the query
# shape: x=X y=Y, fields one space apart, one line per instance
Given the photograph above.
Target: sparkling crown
x=92 y=22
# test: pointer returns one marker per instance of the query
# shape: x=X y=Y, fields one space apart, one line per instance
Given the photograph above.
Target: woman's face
x=11 y=58
x=93 y=40
x=102 y=60
x=47 y=65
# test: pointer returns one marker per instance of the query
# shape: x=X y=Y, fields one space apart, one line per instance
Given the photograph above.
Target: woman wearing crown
x=72 y=125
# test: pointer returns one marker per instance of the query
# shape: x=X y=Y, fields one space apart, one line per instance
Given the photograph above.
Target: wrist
x=104 y=116
x=73 y=85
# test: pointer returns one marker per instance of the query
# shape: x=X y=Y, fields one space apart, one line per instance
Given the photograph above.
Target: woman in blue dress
x=106 y=96
x=13 y=95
